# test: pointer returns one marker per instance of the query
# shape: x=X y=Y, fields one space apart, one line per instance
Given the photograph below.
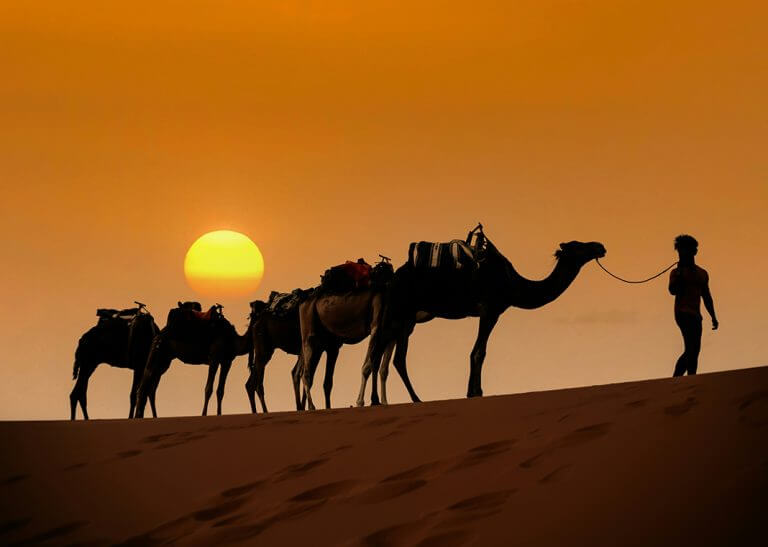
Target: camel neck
x=530 y=294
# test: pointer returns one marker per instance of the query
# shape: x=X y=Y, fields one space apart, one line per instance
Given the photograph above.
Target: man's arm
x=706 y=296
x=674 y=281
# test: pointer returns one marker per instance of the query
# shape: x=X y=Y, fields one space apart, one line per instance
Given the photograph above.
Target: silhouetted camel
x=108 y=342
x=271 y=331
x=485 y=292
x=213 y=342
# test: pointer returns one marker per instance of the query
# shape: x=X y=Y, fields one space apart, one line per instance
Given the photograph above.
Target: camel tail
x=75 y=371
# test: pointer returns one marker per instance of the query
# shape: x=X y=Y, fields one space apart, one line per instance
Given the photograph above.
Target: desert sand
x=661 y=462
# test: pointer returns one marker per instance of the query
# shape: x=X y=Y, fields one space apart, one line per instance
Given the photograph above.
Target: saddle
x=347 y=277
x=193 y=311
x=108 y=314
x=283 y=304
x=454 y=255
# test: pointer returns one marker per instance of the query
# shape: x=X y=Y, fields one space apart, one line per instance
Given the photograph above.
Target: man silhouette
x=690 y=285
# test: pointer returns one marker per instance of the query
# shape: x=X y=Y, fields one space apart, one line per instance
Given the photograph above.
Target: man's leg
x=693 y=344
x=681 y=366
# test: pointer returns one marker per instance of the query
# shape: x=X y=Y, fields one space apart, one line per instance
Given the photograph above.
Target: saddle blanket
x=281 y=304
x=453 y=255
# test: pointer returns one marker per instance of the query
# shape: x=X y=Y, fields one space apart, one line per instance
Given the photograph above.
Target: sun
x=224 y=263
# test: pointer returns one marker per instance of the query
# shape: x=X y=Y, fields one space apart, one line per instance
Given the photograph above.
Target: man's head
x=686 y=246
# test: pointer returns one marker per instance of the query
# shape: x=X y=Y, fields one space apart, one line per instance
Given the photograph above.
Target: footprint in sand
x=219 y=510
x=423 y=471
x=753 y=409
x=229 y=521
x=389 y=435
x=388 y=490
x=392 y=535
x=553 y=474
x=14 y=479
x=530 y=462
x=682 y=408
x=297 y=470
x=453 y=538
x=128 y=454
x=636 y=404
x=584 y=434
x=54 y=533
x=238 y=491
x=228 y=531
x=186 y=438
x=483 y=502
x=165 y=534
x=157 y=438
x=340 y=448
x=325 y=491
x=382 y=421
x=483 y=452
x=472 y=509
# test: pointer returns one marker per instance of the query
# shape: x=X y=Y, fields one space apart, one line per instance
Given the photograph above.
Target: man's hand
x=715 y=324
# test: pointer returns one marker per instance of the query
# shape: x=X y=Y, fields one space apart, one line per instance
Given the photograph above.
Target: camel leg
x=311 y=359
x=260 y=387
x=400 y=362
x=152 y=400
x=384 y=371
x=134 y=391
x=330 y=365
x=365 y=372
x=79 y=392
x=250 y=388
x=148 y=385
x=296 y=374
x=222 y=382
x=212 y=368
x=476 y=358
x=147 y=388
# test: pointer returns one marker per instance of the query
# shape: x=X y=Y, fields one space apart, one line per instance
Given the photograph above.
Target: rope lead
x=629 y=281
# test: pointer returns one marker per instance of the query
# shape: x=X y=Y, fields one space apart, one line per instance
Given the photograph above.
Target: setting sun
x=223 y=263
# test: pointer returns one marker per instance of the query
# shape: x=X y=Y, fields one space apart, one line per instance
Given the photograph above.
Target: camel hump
x=454 y=255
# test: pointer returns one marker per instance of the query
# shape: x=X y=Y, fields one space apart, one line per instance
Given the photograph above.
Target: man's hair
x=686 y=242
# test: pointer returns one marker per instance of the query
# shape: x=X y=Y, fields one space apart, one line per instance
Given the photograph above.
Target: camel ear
x=562 y=245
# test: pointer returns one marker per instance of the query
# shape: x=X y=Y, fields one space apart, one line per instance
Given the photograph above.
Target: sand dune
x=662 y=462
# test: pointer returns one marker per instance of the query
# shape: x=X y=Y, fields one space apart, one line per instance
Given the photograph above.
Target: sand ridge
x=642 y=463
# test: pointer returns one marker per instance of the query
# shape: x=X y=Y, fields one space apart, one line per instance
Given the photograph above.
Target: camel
x=329 y=319
x=271 y=331
x=194 y=340
x=485 y=292
x=120 y=339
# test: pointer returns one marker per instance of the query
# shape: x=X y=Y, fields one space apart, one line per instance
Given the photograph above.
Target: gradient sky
x=332 y=130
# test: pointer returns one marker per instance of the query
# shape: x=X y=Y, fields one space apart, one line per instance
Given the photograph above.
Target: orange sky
x=332 y=130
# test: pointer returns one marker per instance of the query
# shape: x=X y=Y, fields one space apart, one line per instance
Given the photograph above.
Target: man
x=690 y=285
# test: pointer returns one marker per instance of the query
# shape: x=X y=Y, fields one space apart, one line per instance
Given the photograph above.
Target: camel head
x=580 y=253
x=257 y=306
